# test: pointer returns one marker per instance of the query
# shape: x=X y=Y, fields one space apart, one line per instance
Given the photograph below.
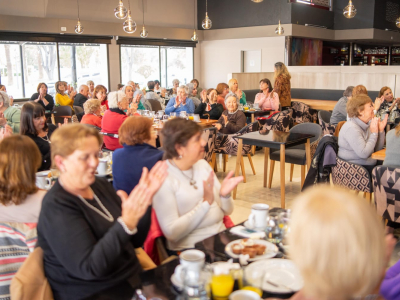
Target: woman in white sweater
x=191 y=203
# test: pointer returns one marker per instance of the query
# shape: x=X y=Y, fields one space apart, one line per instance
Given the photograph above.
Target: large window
x=10 y=68
x=23 y=65
x=140 y=64
x=144 y=63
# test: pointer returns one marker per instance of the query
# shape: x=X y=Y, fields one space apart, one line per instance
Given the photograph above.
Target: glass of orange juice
x=191 y=117
x=252 y=281
x=222 y=286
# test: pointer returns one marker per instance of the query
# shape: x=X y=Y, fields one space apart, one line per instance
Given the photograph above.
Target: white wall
x=222 y=57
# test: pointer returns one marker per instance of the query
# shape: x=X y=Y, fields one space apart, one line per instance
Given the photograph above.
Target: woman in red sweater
x=115 y=116
x=92 y=113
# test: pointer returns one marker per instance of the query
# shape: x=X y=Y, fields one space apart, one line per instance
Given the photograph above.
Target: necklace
x=191 y=181
x=46 y=139
x=107 y=215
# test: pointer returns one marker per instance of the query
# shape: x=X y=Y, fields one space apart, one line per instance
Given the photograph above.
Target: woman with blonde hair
x=20 y=199
x=92 y=114
x=62 y=98
x=338 y=243
x=282 y=85
x=234 y=88
x=90 y=84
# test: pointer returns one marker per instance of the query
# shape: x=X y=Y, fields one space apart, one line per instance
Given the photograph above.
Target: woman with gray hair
x=175 y=84
x=190 y=88
x=232 y=119
x=8 y=114
x=181 y=102
x=339 y=112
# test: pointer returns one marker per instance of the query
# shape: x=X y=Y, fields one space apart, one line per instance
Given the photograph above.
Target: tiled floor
x=253 y=191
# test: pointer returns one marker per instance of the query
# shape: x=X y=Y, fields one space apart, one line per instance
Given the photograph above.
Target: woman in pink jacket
x=267 y=99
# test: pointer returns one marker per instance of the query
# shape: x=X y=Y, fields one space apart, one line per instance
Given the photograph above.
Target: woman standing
x=90 y=84
x=42 y=97
x=209 y=108
x=282 y=85
x=33 y=125
x=87 y=231
x=267 y=98
x=222 y=90
x=234 y=88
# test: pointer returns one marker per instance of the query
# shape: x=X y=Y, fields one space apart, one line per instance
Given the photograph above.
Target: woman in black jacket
x=42 y=97
x=209 y=108
x=33 y=124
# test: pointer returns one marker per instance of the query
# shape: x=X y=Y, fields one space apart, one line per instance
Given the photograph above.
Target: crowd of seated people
x=107 y=223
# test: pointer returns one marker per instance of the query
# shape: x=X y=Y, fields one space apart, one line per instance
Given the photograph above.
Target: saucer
x=247 y=225
x=176 y=282
x=109 y=172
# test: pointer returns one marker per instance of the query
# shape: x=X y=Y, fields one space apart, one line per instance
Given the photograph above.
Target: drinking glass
x=240 y=107
x=140 y=112
x=165 y=117
x=160 y=114
x=196 y=285
x=182 y=114
x=274 y=227
x=222 y=285
x=285 y=219
x=191 y=117
x=253 y=281
x=172 y=115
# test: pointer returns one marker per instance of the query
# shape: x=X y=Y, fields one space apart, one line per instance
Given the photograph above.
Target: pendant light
x=143 y=33
x=78 y=27
x=257 y=1
x=194 y=37
x=120 y=11
x=398 y=22
x=279 y=30
x=206 y=24
x=349 y=11
x=129 y=25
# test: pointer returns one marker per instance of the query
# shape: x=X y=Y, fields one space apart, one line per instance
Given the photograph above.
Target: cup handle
x=178 y=272
x=251 y=221
x=48 y=183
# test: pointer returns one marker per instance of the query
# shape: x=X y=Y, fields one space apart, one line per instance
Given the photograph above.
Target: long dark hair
x=268 y=82
x=30 y=111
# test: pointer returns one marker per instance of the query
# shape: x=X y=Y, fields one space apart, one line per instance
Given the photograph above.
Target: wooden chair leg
x=271 y=173
x=216 y=165
x=291 y=172
x=243 y=170
x=368 y=197
x=225 y=159
x=251 y=164
x=356 y=192
x=303 y=175
x=213 y=159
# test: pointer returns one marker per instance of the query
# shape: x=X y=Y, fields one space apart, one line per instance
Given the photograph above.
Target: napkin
x=225 y=267
x=247 y=233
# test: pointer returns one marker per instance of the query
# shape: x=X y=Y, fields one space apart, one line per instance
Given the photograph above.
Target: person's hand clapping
x=208 y=186
x=5 y=132
x=72 y=94
x=11 y=100
x=218 y=126
x=373 y=127
x=203 y=96
x=178 y=101
x=65 y=123
x=382 y=123
x=3 y=120
x=137 y=98
x=378 y=103
x=229 y=184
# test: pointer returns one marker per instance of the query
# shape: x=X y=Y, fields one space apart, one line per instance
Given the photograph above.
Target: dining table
x=253 y=113
x=379 y=155
x=156 y=283
x=275 y=140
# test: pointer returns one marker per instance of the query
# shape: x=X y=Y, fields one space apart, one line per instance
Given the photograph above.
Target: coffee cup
x=244 y=294
x=258 y=216
x=192 y=261
x=43 y=181
x=102 y=167
x=256 y=106
x=196 y=118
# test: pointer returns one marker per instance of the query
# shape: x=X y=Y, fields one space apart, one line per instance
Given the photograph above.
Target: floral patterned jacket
x=282 y=88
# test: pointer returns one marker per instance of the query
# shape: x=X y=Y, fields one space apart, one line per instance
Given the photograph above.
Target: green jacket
x=243 y=99
x=13 y=116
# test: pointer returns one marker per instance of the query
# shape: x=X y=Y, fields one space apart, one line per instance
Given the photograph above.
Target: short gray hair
x=232 y=95
x=125 y=86
x=89 y=82
x=4 y=99
x=114 y=98
x=175 y=81
x=183 y=87
x=82 y=87
x=348 y=92
x=190 y=87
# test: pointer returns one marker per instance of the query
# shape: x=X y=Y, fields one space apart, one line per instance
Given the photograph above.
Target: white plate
x=109 y=172
x=177 y=283
x=247 y=225
x=279 y=271
x=270 y=251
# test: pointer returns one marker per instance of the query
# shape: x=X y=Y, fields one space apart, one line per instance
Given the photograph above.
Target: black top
x=215 y=112
x=85 y=254
x=79 y=100
x=49 y=99
x=44 y=147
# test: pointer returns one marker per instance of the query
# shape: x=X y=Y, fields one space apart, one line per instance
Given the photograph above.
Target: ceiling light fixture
x=120 y=11
x=129 y=25
x=349 y=11
x=206 y=24
x=279 y=30
x=257 y=1
x=194 y=37
x=144 y=33
x=398 y=22
x=78 y=27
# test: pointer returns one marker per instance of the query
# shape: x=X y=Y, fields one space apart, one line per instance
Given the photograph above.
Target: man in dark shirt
x=82 y=96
